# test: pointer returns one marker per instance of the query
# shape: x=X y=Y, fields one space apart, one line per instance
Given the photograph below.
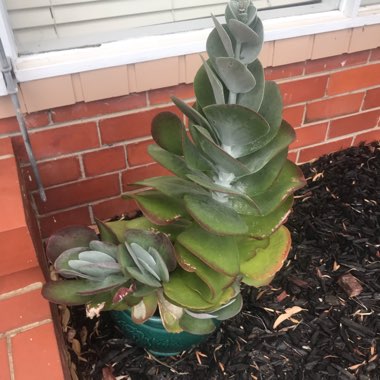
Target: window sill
x=144 y=49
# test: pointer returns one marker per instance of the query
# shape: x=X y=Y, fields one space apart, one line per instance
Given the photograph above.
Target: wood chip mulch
x=319 y=319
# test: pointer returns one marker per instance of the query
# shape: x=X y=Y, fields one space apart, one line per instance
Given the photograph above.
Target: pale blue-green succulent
x=220 y=217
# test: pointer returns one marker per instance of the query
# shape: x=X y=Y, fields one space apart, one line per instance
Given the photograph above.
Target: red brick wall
x=89 y=152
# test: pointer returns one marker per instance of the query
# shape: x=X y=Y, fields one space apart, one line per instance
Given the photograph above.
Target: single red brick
x=137 y=153
x=309 y=135
x=22 y=310
x=285 y=71
x=17 y=251
x=354 y=123
x=4 y=361
x=100 y=107
x=354 y=79
x=130 y=126
x=53 y=172
x=20 y=279
x=332 y=107
x=138 y=174
x=36 y=355
x=372 y=99
x=32 y=120
x=336 y=62
x=299 y=91
x=113 y=207
x=104 y=161
x=292 y=156
x=78 y=193
x=163 y=95
x=52 y=223
x=308 y=154
x=375 y=55
x=294 y=115
x=367 y=137
x=57 y=141
x=6 y=147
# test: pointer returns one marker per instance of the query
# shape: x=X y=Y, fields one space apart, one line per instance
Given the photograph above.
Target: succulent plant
x=220 y=216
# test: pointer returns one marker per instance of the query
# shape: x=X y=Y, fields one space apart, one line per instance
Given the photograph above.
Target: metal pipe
x=11 y=83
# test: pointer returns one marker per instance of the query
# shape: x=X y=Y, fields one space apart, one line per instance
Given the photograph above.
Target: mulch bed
x=330 y=335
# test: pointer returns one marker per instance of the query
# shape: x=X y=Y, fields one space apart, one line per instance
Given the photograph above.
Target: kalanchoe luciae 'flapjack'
x=220 y=217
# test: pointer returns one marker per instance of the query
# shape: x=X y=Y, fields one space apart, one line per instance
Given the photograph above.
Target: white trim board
x=144 y=49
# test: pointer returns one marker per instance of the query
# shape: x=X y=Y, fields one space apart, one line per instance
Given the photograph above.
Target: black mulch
x=336 y=231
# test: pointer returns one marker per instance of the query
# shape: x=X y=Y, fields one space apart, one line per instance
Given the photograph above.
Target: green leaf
x=267 y=261
x=235 y=75
x=66 y=292
x=124 y=259
x=218 y=156
x=110 y=282
x=263 y=226
x=203 y=89
x=194 y=157
x=230 y=310
x=187 y=290
x=162 y=269
x=216 y=84
x=196 y=326
x=106 y=233
x=172 y=186
x=118 y=227
x=214 y=216
x=218 y=252
x=167 y=132
x=214 y=45
x=144 y=309
x=238 y=128
x=159 y=208
x=248 y=247
x=224 y=37
x=257 y=160
x=214 y=280
x=251 y=49
x=253 y=99
x=241 y=32
x=233 y=12
x=290 y=179
x=170 y=161
x=258 y=182
x=271 y=106
x=159 y=241
x=68 y=237
x=143 y=277
x=194 y=116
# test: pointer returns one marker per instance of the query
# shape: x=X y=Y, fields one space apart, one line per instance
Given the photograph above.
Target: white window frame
x=134 y=50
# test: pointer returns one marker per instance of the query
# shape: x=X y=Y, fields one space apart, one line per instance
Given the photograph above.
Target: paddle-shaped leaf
x=289 y=180
x=167 y=132
x=216 y=84
x=68 y=237
x=224 y=37
x=170 y=314
x=159 y=208
x=251 y=49
x=262 y=226
x=257 y=160
x=238 y=128
x=170 y=161
x=203 y=89
x=214 y=216
x=110 y=282
x=253 y=99
x=264 y=265
x=214 y=280
x=196 y=326
x=106 y=233
x=218 y=252
x=108 y=248
x=235 y=75
x=248 y=247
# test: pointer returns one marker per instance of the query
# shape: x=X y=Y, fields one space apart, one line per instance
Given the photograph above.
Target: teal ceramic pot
x=152 y=335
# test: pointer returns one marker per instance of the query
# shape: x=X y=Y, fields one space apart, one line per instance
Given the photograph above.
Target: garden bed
x=330 y=335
